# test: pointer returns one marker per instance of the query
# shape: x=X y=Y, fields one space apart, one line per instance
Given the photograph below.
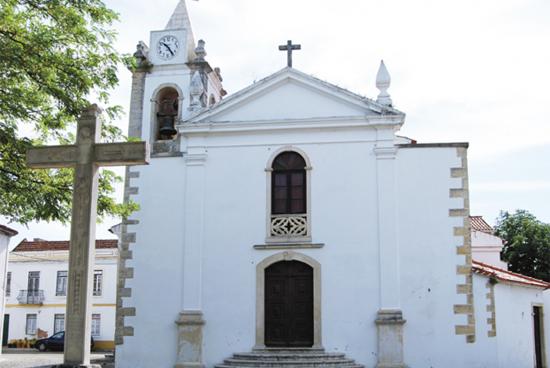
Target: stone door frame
x=260 y=295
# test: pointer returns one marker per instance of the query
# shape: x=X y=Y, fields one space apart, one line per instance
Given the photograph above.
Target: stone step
x=297 y=362
x=343 y=365
x=290 y=350
x=287 y=356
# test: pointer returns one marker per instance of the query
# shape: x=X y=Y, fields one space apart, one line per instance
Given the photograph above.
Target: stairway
x=289 y=358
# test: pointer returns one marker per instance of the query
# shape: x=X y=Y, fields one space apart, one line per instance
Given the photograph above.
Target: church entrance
x=289 y=305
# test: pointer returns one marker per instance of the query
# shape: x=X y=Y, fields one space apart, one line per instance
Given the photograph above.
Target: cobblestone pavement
x=35 y=359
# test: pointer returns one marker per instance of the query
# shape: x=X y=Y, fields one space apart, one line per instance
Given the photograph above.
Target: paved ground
x=35 y=359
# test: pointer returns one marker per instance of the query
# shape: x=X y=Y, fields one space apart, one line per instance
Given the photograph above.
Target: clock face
x=167 y=47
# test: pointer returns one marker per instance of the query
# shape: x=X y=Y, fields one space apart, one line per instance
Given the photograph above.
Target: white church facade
x=289 y=225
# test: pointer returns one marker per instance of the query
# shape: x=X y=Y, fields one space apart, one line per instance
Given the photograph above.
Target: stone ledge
x=434 y=145
x=167 y=154
x=390 y=317
x=288 y=246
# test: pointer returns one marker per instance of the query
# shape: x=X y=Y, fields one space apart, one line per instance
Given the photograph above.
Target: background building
x=486 y=247
x=5 y=235
x=36 y=290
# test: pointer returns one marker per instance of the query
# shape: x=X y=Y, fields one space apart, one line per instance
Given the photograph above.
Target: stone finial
x=383 y=81
x=200 y=51
x=142 y=51
x=218 y=73
x=196 y=89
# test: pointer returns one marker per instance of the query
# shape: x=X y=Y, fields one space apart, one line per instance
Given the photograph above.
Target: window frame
x=269 y=187
x=27 y=319
x=99 y=290
x=8 y=284
x=96 y=328
x=55 y=321
x=63 y=292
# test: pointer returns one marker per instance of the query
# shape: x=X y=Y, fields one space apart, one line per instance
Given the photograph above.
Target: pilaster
x=190 y=322
x=390 y=317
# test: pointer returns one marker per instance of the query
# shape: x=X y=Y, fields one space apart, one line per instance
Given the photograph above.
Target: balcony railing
x=31 y=297
x=289 y=226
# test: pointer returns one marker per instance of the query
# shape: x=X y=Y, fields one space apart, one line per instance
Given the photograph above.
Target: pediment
x=287 y=96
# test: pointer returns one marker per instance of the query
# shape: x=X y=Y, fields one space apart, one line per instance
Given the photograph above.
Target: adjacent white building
x=36 y=290
x=486 y=246
x=289 y=221
x=6 y=234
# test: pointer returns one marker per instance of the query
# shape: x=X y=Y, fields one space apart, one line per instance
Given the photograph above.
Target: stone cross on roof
x=86 y=156
x=289 y=47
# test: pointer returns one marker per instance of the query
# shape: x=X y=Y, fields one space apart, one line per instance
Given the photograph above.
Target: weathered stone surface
x=85 y=157
x=390 y=339
x=190 y=326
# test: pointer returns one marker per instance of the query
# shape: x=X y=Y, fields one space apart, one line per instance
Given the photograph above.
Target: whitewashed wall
x=343 y=192
x=486 y=248
x=515 y=331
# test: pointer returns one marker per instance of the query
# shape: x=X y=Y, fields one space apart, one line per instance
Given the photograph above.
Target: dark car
x=55 y=342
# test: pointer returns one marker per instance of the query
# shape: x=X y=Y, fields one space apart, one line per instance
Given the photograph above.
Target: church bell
x=166 y=125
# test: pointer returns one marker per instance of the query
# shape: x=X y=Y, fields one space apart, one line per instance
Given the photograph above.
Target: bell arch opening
x=166 y=114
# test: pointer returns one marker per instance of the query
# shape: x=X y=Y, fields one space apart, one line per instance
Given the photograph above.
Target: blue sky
x=469 y=70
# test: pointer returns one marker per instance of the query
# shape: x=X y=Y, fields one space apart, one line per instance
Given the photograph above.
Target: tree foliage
x=526 y=243
x=55 y=54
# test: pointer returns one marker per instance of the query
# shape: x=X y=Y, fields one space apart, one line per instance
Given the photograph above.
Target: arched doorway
x=289 y=294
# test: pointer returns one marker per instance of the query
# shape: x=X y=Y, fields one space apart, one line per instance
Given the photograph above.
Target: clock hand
x=168 y=47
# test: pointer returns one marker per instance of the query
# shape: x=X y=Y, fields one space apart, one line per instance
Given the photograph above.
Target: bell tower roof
x=180 y=20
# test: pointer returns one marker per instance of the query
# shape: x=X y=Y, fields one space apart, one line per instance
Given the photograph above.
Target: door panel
x=289 y=305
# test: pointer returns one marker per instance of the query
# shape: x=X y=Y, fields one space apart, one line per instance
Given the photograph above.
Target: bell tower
x=172 y=81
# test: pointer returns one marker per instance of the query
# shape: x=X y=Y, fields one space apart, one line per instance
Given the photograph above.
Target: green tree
x=526 y=243
x=54 y=55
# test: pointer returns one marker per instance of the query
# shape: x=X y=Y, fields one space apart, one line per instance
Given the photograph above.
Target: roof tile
x=507 y=276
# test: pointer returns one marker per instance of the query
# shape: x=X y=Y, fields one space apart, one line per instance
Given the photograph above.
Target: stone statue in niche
x=167 y=112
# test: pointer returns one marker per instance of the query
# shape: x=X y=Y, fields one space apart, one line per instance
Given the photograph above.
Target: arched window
x=288 y=184
x=167 y=113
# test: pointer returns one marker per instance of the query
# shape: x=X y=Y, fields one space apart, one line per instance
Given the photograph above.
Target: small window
x=96 y=325
x=288 y=184
x=98 y=282
x=30 y=328
x=58 y=323
x=61 y=288
x=8 y=284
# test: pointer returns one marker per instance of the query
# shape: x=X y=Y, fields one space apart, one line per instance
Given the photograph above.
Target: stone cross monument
x=86 y=156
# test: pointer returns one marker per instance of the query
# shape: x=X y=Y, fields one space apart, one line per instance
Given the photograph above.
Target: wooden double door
x=289 y=305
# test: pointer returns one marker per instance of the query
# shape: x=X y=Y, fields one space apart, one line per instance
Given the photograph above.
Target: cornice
x=367 y=121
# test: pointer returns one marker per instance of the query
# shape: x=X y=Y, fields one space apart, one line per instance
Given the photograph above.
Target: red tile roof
x=8 y=231
x=479 y=224
x=507 y=276
x=44 y=245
